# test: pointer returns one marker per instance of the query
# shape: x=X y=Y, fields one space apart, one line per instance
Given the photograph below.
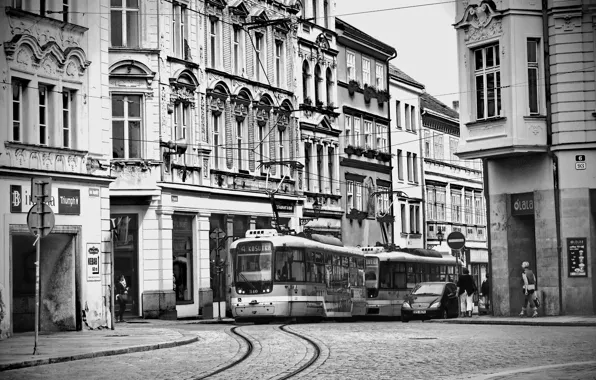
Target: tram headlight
x=240 y=291
x=406 y=305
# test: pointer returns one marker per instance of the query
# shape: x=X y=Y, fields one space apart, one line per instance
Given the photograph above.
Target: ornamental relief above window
x=480 y=22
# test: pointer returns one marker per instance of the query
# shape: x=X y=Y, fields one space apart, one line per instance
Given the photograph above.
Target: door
x=452 y=300
x=126 y=257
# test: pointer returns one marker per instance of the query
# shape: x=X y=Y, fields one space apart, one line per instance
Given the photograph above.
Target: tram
x=390 y=276
x=278 y=276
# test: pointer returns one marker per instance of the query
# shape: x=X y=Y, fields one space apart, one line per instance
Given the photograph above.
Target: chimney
x=456 y=105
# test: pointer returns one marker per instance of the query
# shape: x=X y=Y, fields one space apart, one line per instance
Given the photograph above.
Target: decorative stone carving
x=36 y=53
x=535 y=129
x=203 y=128
x=480 y=21
x=493 y=30
x=568 y=21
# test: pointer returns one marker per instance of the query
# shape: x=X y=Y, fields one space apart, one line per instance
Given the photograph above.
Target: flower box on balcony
x=357 y=214
x=369 y=93
x=370 y=153
x=384 y=156
x=382 y=96
x=349 y=150
x=386 y=218
x=358 y=150
x=353 y=86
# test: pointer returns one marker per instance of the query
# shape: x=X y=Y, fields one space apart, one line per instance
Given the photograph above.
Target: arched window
x=305 y=80
x=240 y=111
x=318 y=81
x=329 y=86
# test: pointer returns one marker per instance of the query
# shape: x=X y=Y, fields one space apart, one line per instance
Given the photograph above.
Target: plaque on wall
x=577 y=256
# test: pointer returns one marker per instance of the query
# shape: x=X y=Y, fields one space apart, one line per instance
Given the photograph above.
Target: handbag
x=536 y=299
x=530 y=287
x=124 y=297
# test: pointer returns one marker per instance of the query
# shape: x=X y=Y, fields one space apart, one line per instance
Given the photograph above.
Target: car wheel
x=405 y=319
x=445 y=314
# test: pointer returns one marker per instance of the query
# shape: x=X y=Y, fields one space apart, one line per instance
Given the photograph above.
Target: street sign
x=580 y=162
x=40 y=219
x=217 y=233
x=456 y=240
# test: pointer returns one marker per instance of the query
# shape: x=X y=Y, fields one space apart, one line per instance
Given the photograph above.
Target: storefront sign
x=93 y=262
x=16 y=198
x=93 y=192
x=577 y=256
x=522 y=204
x=69 y=201
x=287 y=207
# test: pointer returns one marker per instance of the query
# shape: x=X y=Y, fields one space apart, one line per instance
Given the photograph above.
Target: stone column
x=314 y=181
x=325 y=166
x=203 y=268
x=336 y=168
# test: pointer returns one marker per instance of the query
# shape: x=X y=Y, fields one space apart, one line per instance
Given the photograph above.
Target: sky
x=423 y=36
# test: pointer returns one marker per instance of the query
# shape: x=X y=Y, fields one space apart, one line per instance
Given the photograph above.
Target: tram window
x=399 y=280
x=410 y=268
x=411 y=280
x=360 y=263
x=328 y=258
x=353 y=276
x=385 y=276
x=442 y=269
x=289 y=265
x=450 y=269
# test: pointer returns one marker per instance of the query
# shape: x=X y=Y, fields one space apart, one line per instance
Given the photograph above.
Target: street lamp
x=440 y=235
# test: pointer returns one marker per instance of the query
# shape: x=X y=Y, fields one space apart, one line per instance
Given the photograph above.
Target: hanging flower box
x=370 y=153
x=384 y=156
x=349 y=150
x=358 y=150
x=369 y=93
x=353 y=86
x=387 y=218
x=357 y=214
x=382 y=96
x=320 y=104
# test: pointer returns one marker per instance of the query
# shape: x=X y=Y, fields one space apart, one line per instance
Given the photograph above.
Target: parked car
x=431 y=300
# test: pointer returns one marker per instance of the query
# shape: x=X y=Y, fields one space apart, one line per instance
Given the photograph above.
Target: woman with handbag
x=121 y=297
x=529 y=287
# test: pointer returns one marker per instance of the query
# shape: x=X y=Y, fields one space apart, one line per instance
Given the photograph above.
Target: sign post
x=218 y=236
x=456 y=240
x=40 y=221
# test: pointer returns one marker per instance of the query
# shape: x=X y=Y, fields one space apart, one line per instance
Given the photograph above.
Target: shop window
x=182 y=249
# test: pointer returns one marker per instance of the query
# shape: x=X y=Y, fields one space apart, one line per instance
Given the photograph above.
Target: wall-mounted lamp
x=440 y=235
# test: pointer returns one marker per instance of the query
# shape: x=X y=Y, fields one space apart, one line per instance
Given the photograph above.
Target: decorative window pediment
x=238 y=8
x=217 y=99
x=183 y=89
x=322 y=42
x=241 y=105
x=221 y=4
x=477 y=22
x=131 y=69
x=258 y=14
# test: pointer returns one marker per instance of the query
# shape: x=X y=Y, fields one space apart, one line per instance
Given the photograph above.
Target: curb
x=98 y=354
x=513 y=322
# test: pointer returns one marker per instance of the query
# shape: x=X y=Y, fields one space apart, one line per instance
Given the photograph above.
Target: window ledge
x=34 y=16
x=127 y=49
x=185 y=62
x=486 y=121
x=535 y=117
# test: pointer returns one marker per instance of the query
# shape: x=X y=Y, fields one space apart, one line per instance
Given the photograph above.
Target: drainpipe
x=388 y=83
x=488 y=241
x=549 y=141
x=161 y=172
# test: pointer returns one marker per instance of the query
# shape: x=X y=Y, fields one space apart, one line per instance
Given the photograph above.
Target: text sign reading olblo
x=522 y=204
x=69 y=201
x=456 y=240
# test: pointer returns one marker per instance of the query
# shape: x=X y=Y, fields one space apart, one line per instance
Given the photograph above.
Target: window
x=456 y=207
x=380 y=77
x=431 y=209
x=366 y=71
x=413 y=117
x=415 y=167
x=438 y=144
x=358 y=203
x=428 y=143
x=126 y=126
x=532 y=46
x=410 y=166
x=213 y=40
x=17 y=111
x=318 y=81
x=452 y=149
x=259 y=55
x=329 y=87
x=179 y=29
x=397 y=114
x=319 y=149
x=400 y=165
x=239 y=144
x=42 y=7
x=488 y=82
x=326 y=13
x=330 y=159
x=440 y=200
x=349 y=195
x=236 y=50
x=43 y=114
x=218 y=142
x=305 y=80
x=68 y=117
x=314 y=11
x=382 y=138
x=351 y=65
x=182 y=252
x=124 y=23
x=383 y=200
x=348 y=124
x=280 y=144
x=414 y=218
x=468 y=208
x=261 y=141
x=368 y=136
x=404 y=221
x=357 y=141
x=181 y=120
x=65 y=10
x=278 y=62
x=408 y=117
x=307 y=170
x=479 y=207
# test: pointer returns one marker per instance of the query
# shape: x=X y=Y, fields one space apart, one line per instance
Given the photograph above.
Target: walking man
x=529 y=286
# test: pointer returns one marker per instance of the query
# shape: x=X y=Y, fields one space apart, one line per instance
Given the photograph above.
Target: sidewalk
x=134 y=336
x=560 y=320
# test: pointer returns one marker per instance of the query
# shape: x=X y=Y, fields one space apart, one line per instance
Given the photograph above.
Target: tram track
x=252 y=346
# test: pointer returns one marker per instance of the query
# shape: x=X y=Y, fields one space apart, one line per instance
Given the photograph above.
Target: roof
x=400 y=75
x=363 y=38
x=428 y=101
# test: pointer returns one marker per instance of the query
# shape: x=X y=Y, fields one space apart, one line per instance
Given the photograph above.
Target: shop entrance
x=58 y=302
x=521 y=247
x=126 y=259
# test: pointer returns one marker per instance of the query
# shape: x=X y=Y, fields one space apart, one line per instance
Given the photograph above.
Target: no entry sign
x=456 y=240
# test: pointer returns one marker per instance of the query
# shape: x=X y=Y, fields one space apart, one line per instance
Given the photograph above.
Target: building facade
x=365 y=154
x=526 y=72
x=53 y=125
x=408 y=176
x=454 y=198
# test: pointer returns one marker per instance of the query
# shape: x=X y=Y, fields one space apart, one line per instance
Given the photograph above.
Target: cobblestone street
x=361 y=350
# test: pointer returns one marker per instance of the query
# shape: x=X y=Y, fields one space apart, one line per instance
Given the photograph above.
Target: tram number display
x=255 y=247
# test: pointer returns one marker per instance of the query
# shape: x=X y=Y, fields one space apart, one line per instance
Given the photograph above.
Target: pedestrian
x=528 y=287
x=121 y=297
x=466 y=287
x=485 y=291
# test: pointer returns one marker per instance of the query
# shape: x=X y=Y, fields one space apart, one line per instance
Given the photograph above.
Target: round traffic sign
x=41 y=222
x=456 y=240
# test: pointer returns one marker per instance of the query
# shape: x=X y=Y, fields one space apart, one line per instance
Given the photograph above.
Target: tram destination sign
x=255 y=247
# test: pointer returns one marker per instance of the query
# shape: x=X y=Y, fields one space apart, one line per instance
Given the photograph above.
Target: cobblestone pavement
x=362 y=350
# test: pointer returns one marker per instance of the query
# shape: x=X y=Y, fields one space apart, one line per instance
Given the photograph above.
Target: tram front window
x=253 y=268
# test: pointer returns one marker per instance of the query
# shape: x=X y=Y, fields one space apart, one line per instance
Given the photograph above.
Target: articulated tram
x=291 y=277
x=390 y=276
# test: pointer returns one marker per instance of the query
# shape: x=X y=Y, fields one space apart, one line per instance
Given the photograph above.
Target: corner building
x=52 y=126
x=527 y=79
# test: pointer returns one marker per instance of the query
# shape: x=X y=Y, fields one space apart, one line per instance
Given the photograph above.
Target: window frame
x=350 y=65
x=533 y=87
x=366 y=71
x=17 y=104
x=126 y=119
x=43 y=110
x=484 y=72
x=379 y=76
x=279 y=54
x=68 y=111
x=125 y=10
x=189 y=237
